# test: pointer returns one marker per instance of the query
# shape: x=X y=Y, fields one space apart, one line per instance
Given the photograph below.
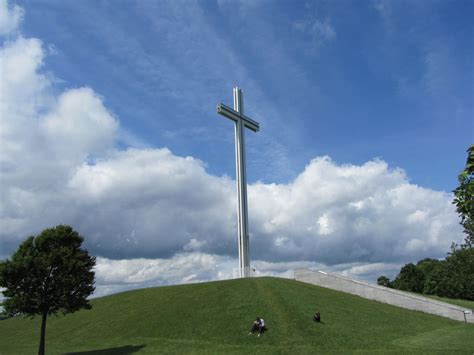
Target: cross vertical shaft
x=242 y=211
x=241 y=122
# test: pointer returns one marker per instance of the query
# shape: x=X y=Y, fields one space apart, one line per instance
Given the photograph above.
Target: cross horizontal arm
x=235 y=116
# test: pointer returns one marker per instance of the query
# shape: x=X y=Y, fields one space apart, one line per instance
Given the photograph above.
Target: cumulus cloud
x=155 y=218
x=346 y=213
x=43 y=139
x=160 y=204
x=10 y=17
x=79 y=124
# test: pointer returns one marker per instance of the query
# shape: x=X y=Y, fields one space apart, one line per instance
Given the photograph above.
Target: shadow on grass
x=122 y=350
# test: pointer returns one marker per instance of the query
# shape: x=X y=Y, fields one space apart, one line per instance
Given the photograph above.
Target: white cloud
x=120 y=275
x=39 y=133
x=79 y=124
x=10 y=17
x=159 y=203
x=23 y=87
x=162 y=271
x=345 y=213
x=320 y=31
x=194 y=245
x=324 y=225
x=368 y=272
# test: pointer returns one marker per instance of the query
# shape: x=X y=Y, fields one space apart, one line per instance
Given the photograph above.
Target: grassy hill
x=462 y=303
x=215 y=317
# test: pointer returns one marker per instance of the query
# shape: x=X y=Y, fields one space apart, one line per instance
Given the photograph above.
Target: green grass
x=214 y=318
x=457 y=302
x=462 y=303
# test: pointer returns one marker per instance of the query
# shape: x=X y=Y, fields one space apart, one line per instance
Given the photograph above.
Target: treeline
x=454 y=276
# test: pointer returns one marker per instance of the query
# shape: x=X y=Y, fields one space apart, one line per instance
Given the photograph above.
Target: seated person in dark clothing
x=258 y=325
x=317 y=317
x=255 y=326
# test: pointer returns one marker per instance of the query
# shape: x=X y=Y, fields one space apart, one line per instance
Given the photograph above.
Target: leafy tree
x=464 y=199
x=437 y=280
x=410 y=278
x=429 y=267
x=384 y=281
x=49 y=273
x=459 y=270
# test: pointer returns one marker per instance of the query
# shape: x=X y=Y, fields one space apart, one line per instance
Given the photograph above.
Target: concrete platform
x=385 y=295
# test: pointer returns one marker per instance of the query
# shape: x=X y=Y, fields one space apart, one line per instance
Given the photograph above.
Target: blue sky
x=108 y=123
x=352 y=80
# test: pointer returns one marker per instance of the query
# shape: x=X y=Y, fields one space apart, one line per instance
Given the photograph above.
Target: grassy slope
x=215 y=317
x=462 y=303
x=457 y=302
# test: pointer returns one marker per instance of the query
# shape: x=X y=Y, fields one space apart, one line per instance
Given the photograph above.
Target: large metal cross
x=241 y=121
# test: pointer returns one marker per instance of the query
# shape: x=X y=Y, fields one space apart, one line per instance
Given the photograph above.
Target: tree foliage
x=464 y=198
x=49 y=273
x=452 y=277
x=431 y=269
x=410 y=278
x=384 y=281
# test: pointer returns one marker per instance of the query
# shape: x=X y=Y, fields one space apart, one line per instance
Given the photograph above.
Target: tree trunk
x=43 y=334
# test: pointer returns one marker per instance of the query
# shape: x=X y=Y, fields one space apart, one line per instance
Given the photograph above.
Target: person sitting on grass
x=317 y=317
x=258 y=325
